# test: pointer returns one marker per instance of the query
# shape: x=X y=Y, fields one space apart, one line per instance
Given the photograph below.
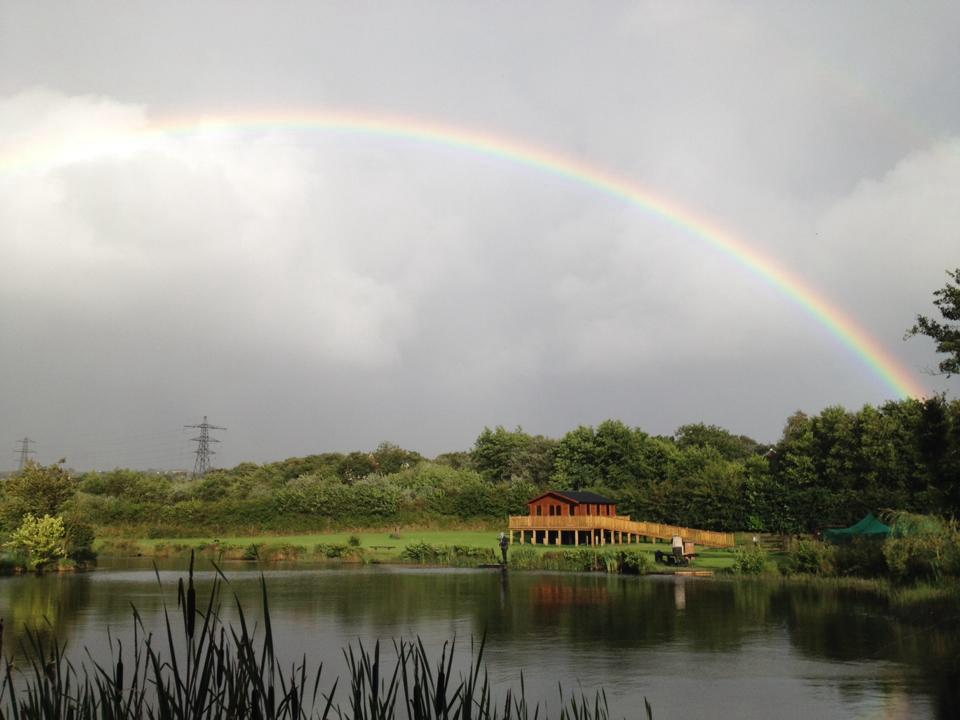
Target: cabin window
x=539 y=510
x=573 y=509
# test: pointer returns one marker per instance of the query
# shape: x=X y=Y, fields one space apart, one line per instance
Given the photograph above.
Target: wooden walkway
x=601 y=530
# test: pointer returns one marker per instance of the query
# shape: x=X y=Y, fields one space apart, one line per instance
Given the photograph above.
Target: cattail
x=220 y=660
x=118 y=677
x=294 y=700
x=255 y=705
x=191 y=602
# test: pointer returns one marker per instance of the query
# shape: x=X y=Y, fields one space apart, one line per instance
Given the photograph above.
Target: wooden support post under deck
x=576 y=537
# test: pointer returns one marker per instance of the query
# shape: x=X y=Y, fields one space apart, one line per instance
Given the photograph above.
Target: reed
x=212 y=670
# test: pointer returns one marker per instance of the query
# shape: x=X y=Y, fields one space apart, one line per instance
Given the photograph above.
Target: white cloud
x=887 y=243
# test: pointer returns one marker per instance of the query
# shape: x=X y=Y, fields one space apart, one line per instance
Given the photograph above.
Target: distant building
x=565 y=504
x=561 y=517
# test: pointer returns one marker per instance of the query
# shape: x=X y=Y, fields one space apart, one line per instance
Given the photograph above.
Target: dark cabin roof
x=577 y=497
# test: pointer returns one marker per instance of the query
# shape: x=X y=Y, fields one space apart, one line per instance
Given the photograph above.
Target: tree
x=500 y=455
x=37 y=490
x=946 y=334
x=42 y=539
x=732 y=447
x=612 y=456
x=391 y=458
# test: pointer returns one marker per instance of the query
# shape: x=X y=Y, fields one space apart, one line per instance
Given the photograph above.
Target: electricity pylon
x=25 y=452
x=203 y=451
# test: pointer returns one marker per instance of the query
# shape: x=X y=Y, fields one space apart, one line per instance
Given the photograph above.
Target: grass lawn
x=379 y=545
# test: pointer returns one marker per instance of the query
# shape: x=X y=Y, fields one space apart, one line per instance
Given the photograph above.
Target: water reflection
x=695 y=647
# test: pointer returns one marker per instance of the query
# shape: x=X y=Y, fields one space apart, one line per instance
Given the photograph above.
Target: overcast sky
x=326 y=291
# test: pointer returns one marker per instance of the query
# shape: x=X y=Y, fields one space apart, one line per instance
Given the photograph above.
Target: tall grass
x=211 y=670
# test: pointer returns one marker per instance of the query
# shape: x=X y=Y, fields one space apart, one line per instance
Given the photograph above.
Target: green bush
x=78 y=539
x=523 y=558
x=922 y=548
x=423 y=552
x=750 y=560
x=42 y=540
x=333 y=550
x=811 y=557
x=635 y=562
x=354 y=541
x=862 y=557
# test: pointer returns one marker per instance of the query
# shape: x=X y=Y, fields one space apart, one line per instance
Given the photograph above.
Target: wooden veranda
x=603 y=530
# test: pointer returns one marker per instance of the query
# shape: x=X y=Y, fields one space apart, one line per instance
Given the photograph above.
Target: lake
x=694 y=647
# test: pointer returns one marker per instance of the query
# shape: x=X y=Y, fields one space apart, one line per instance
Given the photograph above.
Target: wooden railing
x=621 y=523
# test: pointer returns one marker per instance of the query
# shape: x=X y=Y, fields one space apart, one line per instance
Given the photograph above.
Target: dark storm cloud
x=316 y=292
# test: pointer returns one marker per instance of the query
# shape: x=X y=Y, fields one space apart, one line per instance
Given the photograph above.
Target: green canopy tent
x=870 y=526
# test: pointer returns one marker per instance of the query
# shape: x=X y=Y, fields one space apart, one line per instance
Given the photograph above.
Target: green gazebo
x=869 y=526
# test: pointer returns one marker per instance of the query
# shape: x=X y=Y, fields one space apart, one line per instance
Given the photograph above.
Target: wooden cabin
x=566 y=504
x=561 y=517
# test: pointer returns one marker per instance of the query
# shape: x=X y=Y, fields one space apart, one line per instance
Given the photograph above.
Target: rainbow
x=881 y=363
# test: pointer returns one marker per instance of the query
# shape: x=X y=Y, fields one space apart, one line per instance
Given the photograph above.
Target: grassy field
x=377 y=546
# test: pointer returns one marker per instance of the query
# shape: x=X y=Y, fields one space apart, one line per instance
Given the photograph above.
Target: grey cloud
x=322 y=291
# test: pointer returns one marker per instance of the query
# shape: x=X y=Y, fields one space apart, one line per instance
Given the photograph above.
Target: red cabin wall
x=562 y=508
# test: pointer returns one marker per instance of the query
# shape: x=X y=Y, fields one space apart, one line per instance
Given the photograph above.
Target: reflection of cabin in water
x=563 y=595
x=560 y=517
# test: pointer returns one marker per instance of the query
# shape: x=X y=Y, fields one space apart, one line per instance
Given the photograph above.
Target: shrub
x=811 y=557
x=78 y=539
x=284 y=551
x=354 y=541
x=862 y=557
x=523 y=558
x=42 y=540
x=36 y=490
x=422 y=552
x=922 y=548
x=635 y=562
x=333 y=550
x=751 y=560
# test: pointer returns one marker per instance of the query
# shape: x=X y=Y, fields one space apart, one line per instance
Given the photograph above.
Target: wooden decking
x=601 y=530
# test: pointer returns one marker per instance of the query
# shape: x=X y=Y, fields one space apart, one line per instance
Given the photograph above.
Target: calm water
x=696 y=648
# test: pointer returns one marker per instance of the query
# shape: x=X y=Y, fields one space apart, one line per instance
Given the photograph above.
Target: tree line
x=826 y=469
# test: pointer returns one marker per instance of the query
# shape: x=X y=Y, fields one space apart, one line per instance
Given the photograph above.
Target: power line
x=25 y=452
x=203 y=451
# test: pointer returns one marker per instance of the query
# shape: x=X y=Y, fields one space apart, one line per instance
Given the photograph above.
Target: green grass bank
x=460 y=548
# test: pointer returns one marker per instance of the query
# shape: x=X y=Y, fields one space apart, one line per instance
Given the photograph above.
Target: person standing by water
x=503 y=548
